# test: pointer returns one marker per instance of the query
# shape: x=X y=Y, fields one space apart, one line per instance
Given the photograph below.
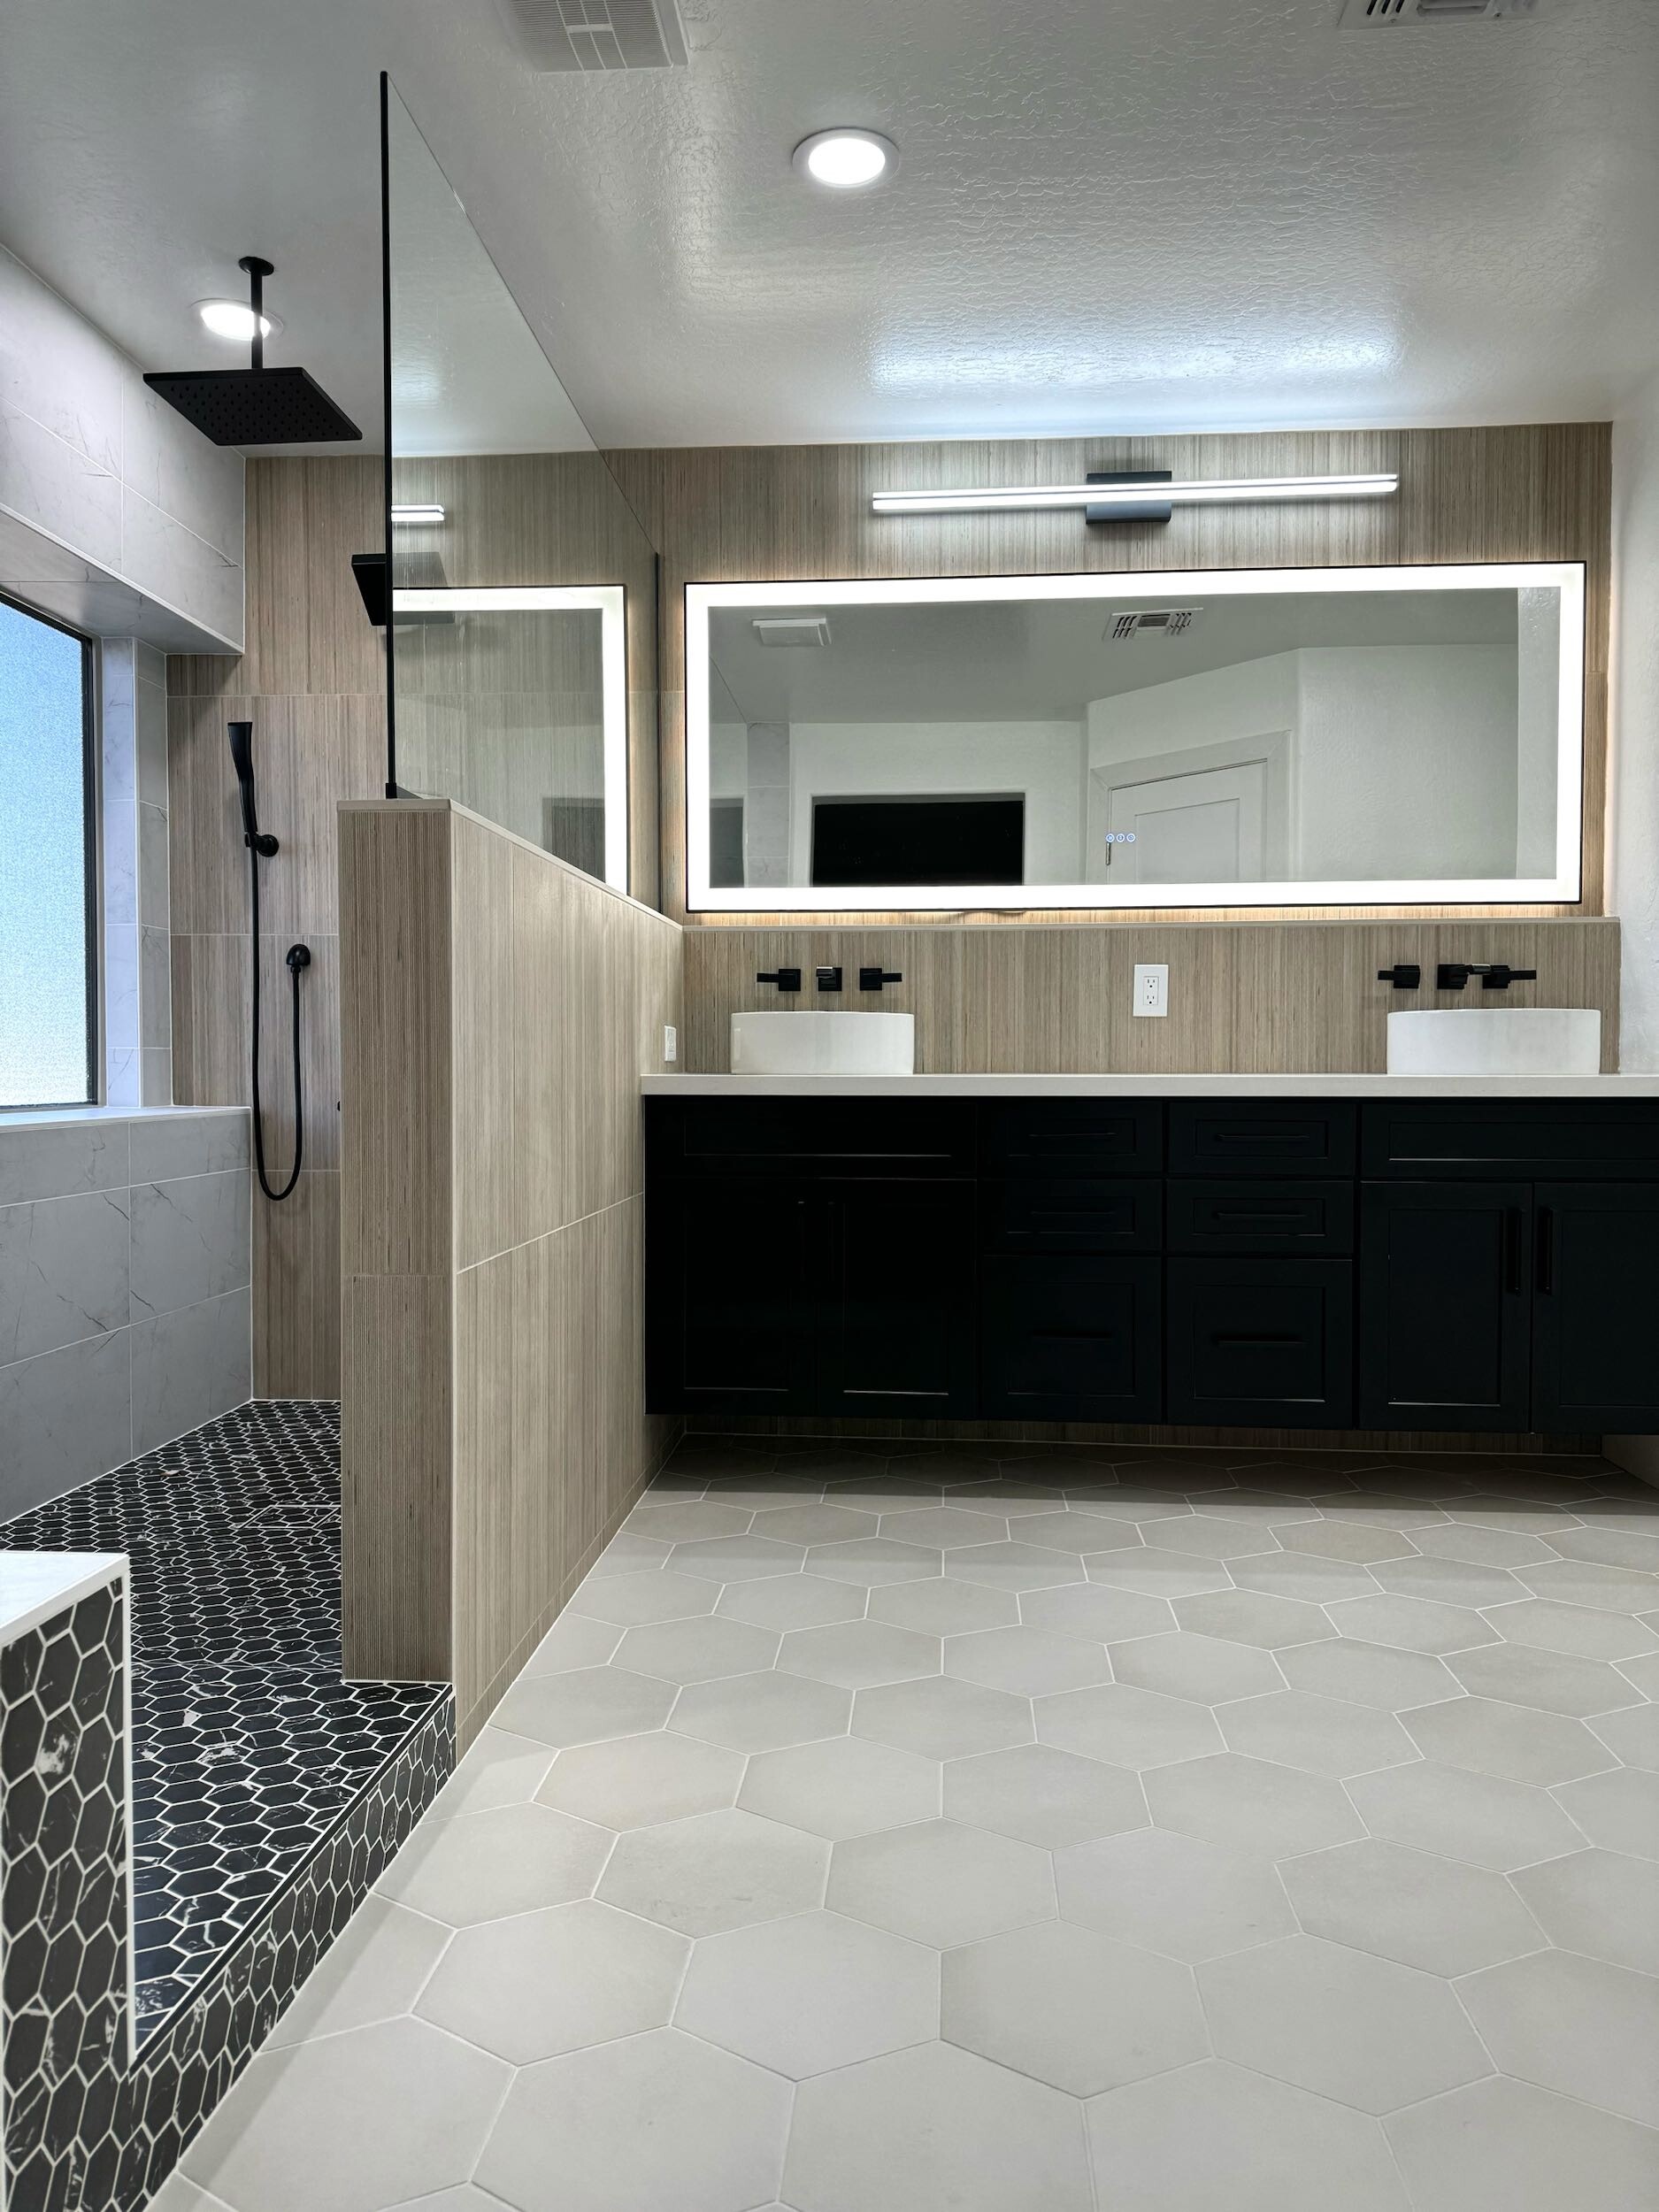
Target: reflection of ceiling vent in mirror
x=556 y=35
x=1365 y=15
x=792 y=629
x=1150 y=622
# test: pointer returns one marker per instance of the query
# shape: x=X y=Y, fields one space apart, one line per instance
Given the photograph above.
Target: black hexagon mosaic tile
x=267 y=1795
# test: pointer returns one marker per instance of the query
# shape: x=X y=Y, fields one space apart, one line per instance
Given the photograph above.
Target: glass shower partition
x=522 y=639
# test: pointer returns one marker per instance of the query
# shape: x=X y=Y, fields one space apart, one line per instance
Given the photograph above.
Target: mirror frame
x=1563 y=888
x=610 y=602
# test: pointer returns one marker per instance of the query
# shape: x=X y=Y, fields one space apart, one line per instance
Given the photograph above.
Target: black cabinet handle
x=1546 y=1251
x=1225 y=1336
x=1253 y=1214
x=1512 y=1250
x=1259 y=1136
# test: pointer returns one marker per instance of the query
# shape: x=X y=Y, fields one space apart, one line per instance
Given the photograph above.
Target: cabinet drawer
x=1072 y=1136
x=1262 y=1340
x=1070 y=1340
x=1051 y=1213
x=809 y=1136
x=1586 y=1138
x=1261 y=1136
x=1314 y=1218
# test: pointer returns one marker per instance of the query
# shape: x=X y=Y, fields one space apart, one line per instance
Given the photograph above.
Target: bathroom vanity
x=1326 y=1252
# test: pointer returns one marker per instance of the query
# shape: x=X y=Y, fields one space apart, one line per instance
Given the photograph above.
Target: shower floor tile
x=247 y=1746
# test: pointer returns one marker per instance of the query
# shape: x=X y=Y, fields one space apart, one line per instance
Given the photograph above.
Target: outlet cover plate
x=1152 y=989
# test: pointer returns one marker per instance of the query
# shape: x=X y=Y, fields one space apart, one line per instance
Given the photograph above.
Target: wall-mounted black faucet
x=786 y=978
x=829 y=979
x=1495 y=975
x=1405 y=975
x=873 y=978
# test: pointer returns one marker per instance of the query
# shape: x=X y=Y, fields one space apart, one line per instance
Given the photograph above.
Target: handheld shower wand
x=261 y=846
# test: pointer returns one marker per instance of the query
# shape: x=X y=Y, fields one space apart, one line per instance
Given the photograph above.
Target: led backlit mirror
x=1290 y=737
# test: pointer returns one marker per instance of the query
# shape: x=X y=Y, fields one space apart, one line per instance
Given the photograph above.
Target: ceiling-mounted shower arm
x=258 y=271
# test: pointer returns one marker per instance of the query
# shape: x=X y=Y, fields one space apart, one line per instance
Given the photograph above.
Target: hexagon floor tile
x=974 y=1924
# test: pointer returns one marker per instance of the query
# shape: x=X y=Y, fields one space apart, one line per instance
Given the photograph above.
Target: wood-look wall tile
x=396 y=1050
x=397 y=1477
x=484 y=1021
x=538 y=983
x=486 y=1349
x=297 y=1291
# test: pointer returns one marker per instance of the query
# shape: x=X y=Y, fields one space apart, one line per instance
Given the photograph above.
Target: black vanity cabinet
x=1261 y=1262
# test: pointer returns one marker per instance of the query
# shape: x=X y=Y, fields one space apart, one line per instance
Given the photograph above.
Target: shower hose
x=299 y=959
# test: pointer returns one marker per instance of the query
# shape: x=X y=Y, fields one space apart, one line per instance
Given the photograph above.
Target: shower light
x=845 y=158
x=234 y=318
x=422 y=511
x=1219 y=492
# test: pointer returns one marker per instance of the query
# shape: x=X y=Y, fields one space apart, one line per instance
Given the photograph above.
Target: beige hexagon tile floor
x=1065 y=1831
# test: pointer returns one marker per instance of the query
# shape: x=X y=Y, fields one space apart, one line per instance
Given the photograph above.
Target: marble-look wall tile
x=155 y=1075
x=189 y=1241
x=188 y=1366
x=121 y=986
x=193 y=1143
x=149 y=707
x=63 y=1271
x=54 y=1159
x=122 y=1077
x=120 y=862
x=155 y=987
x=65 y=1416
x=59 y=490
x=57 y=368
x=163 y=558
x=118 y=682
x=168 y=463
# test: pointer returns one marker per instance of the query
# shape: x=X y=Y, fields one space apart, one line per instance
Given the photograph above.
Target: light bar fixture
x=1136 y=494
x=424 y=510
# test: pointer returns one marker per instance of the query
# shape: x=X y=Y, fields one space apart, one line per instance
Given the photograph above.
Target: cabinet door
x=729 y=1316
x=896 y=1331
x=1595 y=1307
x=1072 y=1340
x=1445 y=1306
x=1262 y=1340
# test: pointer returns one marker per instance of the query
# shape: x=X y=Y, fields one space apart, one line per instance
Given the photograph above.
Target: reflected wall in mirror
x=1293 y=737
x=523 y=611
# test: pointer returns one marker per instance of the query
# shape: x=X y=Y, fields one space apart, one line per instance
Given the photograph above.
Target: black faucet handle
x=1405 y=975
x=873 y=978
x=1495 y=975
x=786 y=978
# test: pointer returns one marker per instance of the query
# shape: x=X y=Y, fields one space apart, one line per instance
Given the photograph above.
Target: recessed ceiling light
x=234 y=318
x=845 y=158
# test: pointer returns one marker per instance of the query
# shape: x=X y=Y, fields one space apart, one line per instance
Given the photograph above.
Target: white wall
x=1042 y=761
x=115 y=514
x=1403 y=756
x=1634 y=799
x=1406 y=761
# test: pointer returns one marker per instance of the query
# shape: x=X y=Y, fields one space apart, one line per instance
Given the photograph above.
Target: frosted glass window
x=46 y=995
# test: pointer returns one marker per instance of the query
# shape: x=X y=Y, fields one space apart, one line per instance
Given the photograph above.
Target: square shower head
x=255 y=406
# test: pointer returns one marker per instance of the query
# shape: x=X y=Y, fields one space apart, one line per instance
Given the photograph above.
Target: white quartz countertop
x=1120 y=1085
x=34 y=1585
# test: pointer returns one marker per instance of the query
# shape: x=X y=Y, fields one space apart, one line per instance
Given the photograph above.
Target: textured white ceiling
x=1109 y=214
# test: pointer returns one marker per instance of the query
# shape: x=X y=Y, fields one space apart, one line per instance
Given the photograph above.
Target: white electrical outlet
x=670 y=1042
x=1152 y=987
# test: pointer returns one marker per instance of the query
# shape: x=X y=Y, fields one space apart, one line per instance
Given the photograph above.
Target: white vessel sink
x=1496 y=1040
x=815 y=1043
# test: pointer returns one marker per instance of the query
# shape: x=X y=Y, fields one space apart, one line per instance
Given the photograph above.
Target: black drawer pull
x=1255 y=1213
x=1225 y=1336
x=1261 y=1136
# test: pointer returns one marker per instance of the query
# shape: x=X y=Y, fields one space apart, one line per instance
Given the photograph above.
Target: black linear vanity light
x=1136 y=495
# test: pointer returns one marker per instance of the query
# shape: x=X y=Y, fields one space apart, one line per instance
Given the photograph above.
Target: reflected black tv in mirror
x=924 y=839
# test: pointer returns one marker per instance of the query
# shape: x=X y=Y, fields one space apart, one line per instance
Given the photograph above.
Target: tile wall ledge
x=74 y=1117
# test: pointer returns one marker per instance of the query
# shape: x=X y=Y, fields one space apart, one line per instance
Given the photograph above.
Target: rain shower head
x=256 y=405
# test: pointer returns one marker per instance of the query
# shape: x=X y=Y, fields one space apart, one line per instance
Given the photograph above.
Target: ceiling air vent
x=557 y=34
x=792 y=629
x=1150 y=622
x=1366 y=15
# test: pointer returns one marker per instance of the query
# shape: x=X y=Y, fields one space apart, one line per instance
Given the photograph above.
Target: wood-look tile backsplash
x=1261 y=997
